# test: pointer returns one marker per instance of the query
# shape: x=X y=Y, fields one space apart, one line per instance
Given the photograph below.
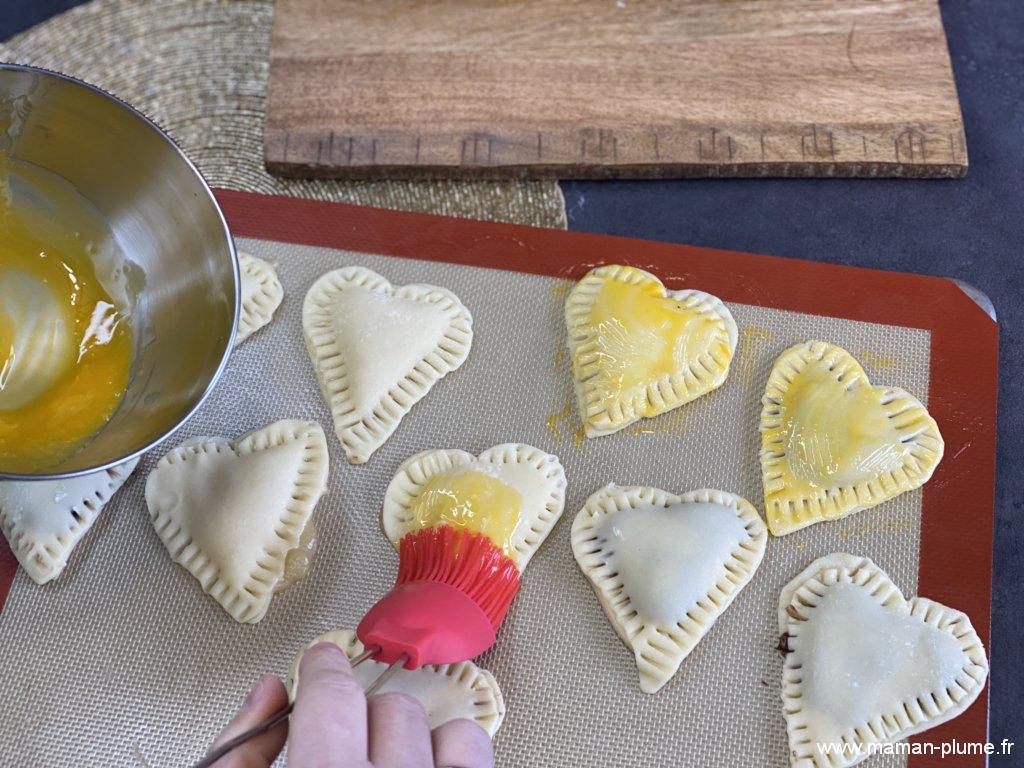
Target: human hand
x=334 y=726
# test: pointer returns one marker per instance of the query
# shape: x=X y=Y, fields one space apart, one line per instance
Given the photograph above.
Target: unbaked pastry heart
x=832 y=445
x=446 y=692
x=665 y=567
x=866 y=666
x=378 y=349
x=536 y=476
x=230 y=513
x=43 y=520
x=261 y=295
x=639 y=350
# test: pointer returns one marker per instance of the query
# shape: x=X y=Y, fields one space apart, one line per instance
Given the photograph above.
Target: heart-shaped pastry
x=832 y=445
x=378 y=349
x=261 y=295
x=43 y=520
x=665 y=567
x=237 y=515
x=446 y=691
x=513 y=493
x=865 y=666
x=639 y=350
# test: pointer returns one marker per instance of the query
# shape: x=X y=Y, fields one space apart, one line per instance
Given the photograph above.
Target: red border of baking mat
x=957 y=513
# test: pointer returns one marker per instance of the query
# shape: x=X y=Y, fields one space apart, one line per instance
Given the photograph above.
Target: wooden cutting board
x=606 y=88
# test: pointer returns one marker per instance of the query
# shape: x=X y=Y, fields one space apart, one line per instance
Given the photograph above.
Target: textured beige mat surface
x=125 y=662
x=199 y=69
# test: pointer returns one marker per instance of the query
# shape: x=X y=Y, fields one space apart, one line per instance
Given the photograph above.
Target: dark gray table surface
x=972 y=229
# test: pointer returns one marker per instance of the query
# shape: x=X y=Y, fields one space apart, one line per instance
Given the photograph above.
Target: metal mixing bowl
x=180 y=263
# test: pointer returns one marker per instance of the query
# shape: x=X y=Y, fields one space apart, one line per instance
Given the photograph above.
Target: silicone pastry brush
x=453 y=590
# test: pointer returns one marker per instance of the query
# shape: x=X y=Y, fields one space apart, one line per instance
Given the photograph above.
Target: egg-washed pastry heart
x=639 y=350
x=378 y=349
x=236 y=515
x=446 y=692
x=665 y=567
x=866 y=666
x=43 y=520
x=832 y=445
x=511 y=493
x=261 y=295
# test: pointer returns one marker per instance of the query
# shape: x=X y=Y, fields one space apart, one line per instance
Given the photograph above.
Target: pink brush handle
x=429 y=621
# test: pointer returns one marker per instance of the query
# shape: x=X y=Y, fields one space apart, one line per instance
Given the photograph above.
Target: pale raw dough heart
x=665 y=567
x=639 y=350
x=446 y=692
x=537 y=476
x=832 y=445
x=866 y=666
x=261 y=295
x=43 y=520
x=230 y=513
x=378 y=349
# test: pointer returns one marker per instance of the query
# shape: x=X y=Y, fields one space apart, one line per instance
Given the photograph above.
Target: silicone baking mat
x=124 y=661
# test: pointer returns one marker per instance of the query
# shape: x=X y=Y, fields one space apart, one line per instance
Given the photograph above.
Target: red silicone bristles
x=467 y=561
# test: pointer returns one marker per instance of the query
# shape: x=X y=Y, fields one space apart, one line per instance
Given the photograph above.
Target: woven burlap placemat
x=199 y=69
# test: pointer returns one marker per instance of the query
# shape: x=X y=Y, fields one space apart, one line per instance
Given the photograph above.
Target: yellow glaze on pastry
x=643 y=335
x=65 y=349
x=828 y=444
x=638 y=350
x=472 y=501
x=832 y=444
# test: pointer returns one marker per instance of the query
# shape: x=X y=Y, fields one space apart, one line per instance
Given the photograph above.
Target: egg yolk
x=65 y=351
x=471 y=501
x=643 y=334
x=834 y=436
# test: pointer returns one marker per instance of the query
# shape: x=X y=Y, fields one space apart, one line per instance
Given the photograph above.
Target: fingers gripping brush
x=452 y=593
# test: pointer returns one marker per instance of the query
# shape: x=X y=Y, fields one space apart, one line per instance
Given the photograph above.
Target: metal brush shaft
x=274 y=720
x=277 y=718
x=387 y=674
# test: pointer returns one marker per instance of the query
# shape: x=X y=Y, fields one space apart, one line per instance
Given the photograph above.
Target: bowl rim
x=229 y=347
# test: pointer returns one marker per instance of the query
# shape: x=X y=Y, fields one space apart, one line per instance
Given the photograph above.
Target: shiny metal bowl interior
x=164 y=220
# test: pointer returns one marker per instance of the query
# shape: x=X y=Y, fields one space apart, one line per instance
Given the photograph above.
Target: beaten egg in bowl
x=65 y=331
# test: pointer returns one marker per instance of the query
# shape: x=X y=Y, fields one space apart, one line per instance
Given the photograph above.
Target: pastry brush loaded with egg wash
x=465 y=527
x=456 y=578
x=65 y=344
